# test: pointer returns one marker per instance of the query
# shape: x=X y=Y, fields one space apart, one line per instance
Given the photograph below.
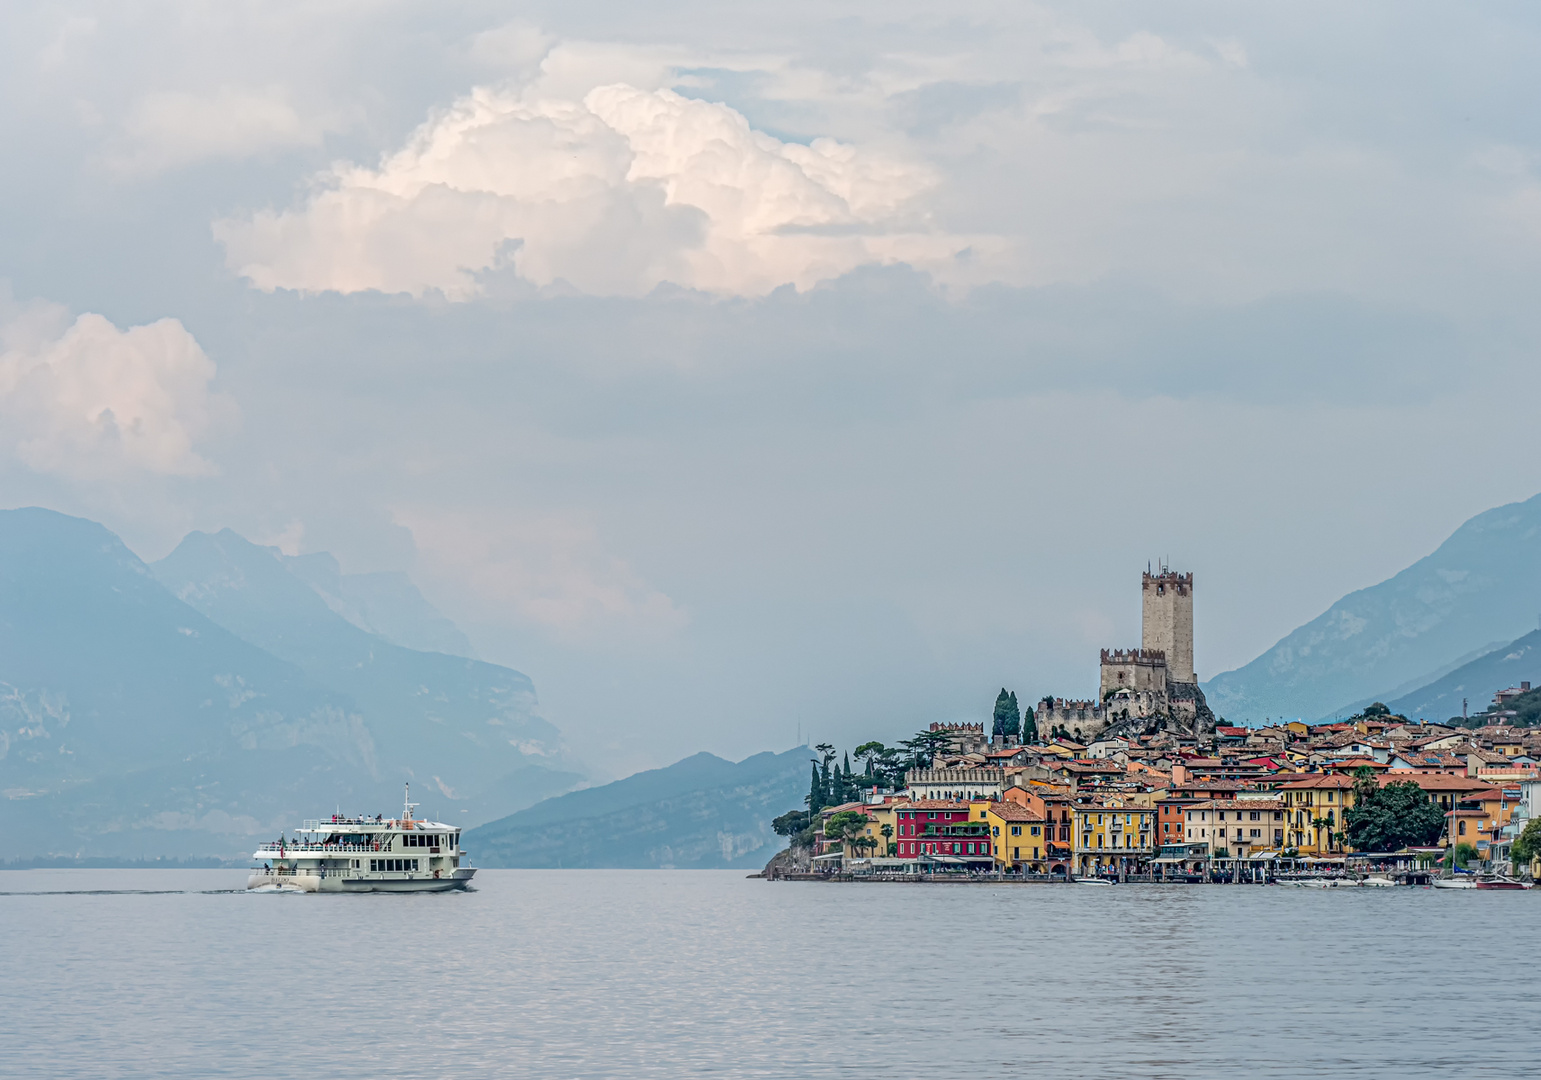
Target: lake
x=592 y=973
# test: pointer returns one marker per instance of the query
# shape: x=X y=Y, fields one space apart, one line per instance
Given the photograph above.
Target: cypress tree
x=831 y=795
x=815 y=795
x=1013 y=717
x=1002 y=703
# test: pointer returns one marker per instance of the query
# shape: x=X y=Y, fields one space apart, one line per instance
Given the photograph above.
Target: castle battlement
x=1142 y=657
x=976 y=729
x=1168 y=579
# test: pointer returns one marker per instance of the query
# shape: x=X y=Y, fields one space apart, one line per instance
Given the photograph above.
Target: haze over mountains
x=702 y=812
x=138 y=722
x=1479 y=591
x=228 y=691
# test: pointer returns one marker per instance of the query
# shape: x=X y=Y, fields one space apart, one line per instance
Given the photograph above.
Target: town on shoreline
x=1373 y=794
x=1144 y=783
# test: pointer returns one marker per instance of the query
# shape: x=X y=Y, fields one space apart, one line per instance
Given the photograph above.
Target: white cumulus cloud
x=613 y=194
x=86 y=400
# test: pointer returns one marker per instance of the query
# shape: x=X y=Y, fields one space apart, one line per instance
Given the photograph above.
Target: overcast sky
x=739 y=368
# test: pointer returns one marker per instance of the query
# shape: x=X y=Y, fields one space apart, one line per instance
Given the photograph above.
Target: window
x=1016 y=830
x=1035 y=830
x=1257 y=832
x=931 y=815
x=1255 y=816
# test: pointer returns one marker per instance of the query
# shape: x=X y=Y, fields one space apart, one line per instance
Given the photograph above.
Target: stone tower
x=1166 y=624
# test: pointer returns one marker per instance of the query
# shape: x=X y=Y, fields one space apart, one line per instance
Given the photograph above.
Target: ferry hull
x=303 y=882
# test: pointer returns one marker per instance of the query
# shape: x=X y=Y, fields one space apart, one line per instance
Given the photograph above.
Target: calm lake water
x=682 y=974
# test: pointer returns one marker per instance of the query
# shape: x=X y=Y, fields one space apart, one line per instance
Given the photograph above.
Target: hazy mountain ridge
x=1481 y=585
x=702 y=812
x=132 y=725
x=1476 y=682
x=465 y=725
x=385 y=604
x=104 y=677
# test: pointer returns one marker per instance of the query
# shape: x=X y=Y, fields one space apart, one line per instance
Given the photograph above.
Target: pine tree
x=1002 y=704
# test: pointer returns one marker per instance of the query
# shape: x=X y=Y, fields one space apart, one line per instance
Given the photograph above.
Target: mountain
x=700 y=813
x=387 y=605
x=465 y=730
x=132 y=725
x=1480 y=587
x=1476 y=682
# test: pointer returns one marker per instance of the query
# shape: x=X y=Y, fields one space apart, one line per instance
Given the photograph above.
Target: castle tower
x=1166 y=623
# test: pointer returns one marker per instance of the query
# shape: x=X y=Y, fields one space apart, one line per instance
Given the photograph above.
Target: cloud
x=86 y=400
x=170 y=129
x=550 y=570
x=614 y=195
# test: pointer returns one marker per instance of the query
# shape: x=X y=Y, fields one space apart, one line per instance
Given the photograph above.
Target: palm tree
x=888 y=845
x=1322 y=824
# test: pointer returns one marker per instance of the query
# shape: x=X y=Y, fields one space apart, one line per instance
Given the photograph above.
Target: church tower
x=1166 y=623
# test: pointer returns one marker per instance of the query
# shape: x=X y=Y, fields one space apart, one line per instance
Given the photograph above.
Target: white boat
x=1092 y=881
x=1455 y=883
x=360 y=854
x=1376 y=881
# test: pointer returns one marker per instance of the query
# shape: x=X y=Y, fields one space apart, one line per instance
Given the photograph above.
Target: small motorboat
x=1454 y=883
x=1500 y=882
x=1376 y=881
x=1092 y=881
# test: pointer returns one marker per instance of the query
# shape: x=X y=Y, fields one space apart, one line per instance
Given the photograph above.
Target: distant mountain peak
x=1481 y=585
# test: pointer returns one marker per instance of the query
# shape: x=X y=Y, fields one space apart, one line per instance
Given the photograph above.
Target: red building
x=932 y=830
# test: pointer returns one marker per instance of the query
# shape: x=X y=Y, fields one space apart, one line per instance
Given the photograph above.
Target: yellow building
x=1114 y=834
x=1017 y=837
x=1313 y=812
x=877 y=818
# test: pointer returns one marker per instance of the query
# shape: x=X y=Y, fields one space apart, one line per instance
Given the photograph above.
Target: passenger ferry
x=353 y=854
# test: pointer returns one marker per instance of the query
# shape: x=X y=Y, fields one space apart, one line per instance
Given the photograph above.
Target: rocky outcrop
x=796 y=859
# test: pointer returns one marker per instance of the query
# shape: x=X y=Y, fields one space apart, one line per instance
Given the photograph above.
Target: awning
x=831 y=855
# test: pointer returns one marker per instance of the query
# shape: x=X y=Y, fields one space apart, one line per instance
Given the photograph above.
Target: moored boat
x=361 y=854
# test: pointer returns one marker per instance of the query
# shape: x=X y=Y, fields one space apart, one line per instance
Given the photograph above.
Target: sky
x=747 y=373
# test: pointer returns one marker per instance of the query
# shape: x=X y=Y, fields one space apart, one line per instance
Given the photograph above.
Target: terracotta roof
x=1010 y=811
x=1437 y=781
x=932 y=804
x=1319 y=780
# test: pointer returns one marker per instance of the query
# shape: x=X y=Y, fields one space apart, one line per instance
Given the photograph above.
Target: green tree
x=1391 y=818
x=925 y=746
x=1014 y=718
x=845 y=828
x=1464 y=853
x=1007 y=716
x=815 y=792
x=888 y=845
x=1527 y=845
x=791 y=823
x=870 y=752
x=1029 y=727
